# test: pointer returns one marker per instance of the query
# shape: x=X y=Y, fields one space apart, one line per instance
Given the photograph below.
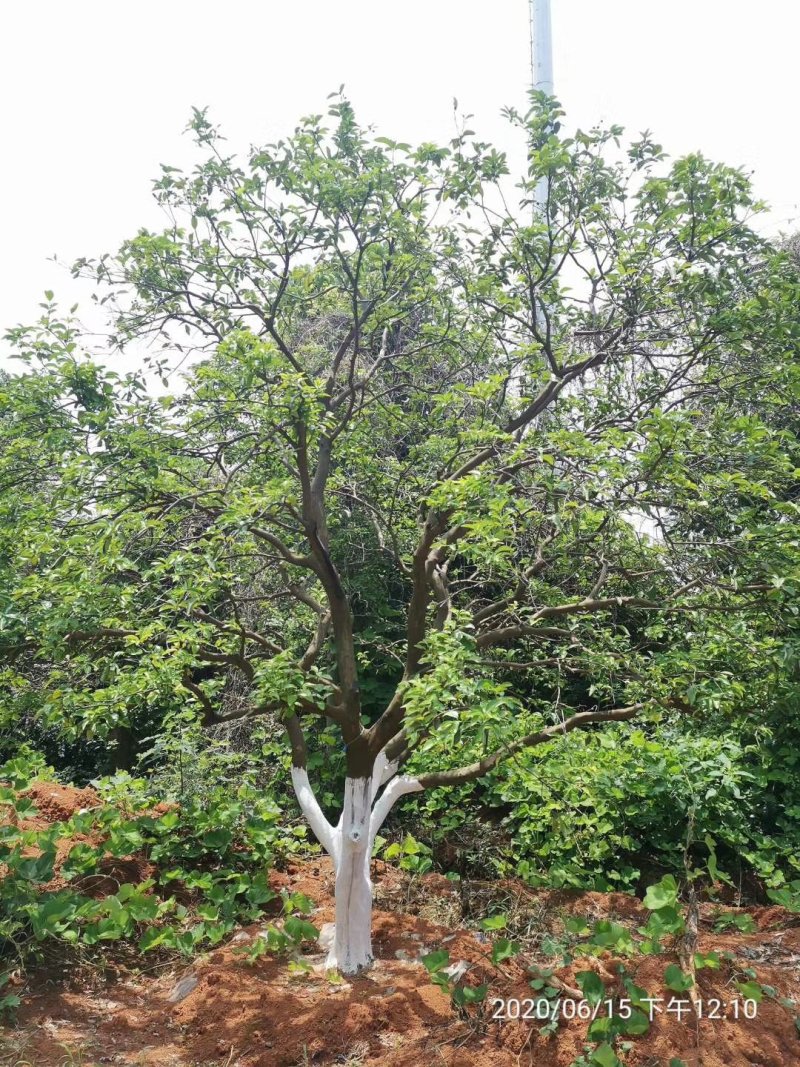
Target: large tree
x=452 y=470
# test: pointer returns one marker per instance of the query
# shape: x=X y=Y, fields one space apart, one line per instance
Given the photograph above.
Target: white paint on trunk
x=352 y=944
x=349 y=845
x=397 y=788
x=376 y=781
x=389 y=771
x=323 y=831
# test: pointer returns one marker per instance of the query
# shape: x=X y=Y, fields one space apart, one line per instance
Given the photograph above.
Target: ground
x=220 y=1009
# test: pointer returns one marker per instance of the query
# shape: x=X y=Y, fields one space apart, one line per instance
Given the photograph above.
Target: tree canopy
x=451 y=472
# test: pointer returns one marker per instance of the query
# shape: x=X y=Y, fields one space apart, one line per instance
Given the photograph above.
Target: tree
x=455 y=476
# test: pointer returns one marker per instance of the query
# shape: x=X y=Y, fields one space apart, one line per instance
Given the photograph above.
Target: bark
x=349 y=844
x=352 y=944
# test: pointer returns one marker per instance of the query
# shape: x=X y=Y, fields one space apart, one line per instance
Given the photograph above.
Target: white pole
x=542 y=78
x=542 y=73
x=542 y=46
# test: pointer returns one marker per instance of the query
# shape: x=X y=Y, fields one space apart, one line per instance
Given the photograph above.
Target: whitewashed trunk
x=351 y=951
x=349 y=845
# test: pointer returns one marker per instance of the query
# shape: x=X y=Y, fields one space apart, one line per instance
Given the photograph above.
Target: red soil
x=58 y=803
x=262 y=1015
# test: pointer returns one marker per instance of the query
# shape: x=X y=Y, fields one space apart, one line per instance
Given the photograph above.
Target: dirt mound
x=57 y=803
x=222 y=1010
x=112 y=873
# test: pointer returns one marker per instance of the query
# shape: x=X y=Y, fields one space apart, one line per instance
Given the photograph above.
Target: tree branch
x=481 y=767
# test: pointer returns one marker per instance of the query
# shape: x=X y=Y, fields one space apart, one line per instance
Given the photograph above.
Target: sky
x=95 y=95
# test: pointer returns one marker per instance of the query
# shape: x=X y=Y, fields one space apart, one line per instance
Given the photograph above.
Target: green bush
x=212 y=855
x=601 y=810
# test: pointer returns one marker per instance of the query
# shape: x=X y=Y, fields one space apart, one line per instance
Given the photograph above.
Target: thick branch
x=506 y=634
x=80 y=637
x=316 y=643
x=481 y=767
x=284 y=550
x=323 y=831
x=397 y=787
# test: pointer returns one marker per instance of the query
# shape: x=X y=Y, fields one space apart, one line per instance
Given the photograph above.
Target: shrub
x=597 y=810
x=212 y=858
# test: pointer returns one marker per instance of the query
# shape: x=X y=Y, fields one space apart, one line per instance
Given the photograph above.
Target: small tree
x=453 y=476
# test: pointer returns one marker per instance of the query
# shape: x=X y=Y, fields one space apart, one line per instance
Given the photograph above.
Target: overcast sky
x=95 y=95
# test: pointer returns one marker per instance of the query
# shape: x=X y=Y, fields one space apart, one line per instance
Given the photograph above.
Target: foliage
x=597 y=810
x=289 y=936
x=614 y=1012
x=446 y=478
x=449 y=977
x=212 y=859
x=409 y=854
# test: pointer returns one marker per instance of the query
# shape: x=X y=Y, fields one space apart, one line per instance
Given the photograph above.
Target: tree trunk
x=349 y=845
x=351 y=951
x=121 y=750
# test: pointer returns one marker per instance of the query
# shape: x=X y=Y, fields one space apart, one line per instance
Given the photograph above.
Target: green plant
x=388 y=503
x=787 y=896
x=412 y=855
x=450 y=979
x=729 y=920
x=218 y=849
x=287 y=937
x=591 y=810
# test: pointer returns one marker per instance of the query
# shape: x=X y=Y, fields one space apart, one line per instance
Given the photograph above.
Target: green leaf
x=494 y=922
x=604 y=1056
x=638 y=1023
x=674 y=978
x=463 y=995
x=297 y=902
x=218 y=839
x=662 y=895
x=435 y=961
x=591 y=986
x=300 y=929
x=707 y=959
x=502 y=949
x=576 y=925
x=36 y=869
x=751 y=991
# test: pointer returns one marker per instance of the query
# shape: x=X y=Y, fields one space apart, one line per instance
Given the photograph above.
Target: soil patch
x=222 y=1011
